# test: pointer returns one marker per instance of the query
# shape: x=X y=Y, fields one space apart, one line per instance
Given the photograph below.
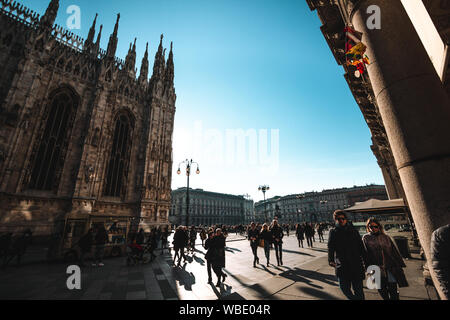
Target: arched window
x=117 y=170
x=50 y=152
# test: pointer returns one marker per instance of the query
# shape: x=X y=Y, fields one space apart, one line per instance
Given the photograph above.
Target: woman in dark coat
x=218 y=256
x=266 y=235
x=209 y=253
x=300 y=235
x=382 y=252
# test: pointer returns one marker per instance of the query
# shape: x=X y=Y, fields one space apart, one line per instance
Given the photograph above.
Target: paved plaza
x=305 y=276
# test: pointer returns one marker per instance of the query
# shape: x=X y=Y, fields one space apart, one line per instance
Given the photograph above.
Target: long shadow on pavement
x=298 y=252
x=299 y=275
x=184 y=278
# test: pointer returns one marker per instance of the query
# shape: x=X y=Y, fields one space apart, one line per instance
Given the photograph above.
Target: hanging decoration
x=354 y=51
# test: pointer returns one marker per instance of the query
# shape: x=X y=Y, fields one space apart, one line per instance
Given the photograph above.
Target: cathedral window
x=117 y=170
x=49 y=157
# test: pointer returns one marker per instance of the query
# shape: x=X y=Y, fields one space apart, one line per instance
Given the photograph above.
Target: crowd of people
x=348 y=252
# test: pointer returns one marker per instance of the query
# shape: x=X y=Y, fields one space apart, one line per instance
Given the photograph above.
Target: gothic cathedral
x=82 y=135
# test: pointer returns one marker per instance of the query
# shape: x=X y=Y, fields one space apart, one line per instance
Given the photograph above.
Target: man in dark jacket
x=440 y=257
x=346 y=253
x=85 y=245
x=101 y=238
x=253 y=237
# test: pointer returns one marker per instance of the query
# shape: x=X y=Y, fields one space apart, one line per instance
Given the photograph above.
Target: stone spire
x=90 y=38
x=130 y=60
x=170 y=66
x=143 y=77
x=48 y=19
x=112 y=44
x=158 y=66
x=99 y=37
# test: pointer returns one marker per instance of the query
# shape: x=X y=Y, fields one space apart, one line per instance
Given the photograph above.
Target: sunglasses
x=374 y=227
x=341 y=219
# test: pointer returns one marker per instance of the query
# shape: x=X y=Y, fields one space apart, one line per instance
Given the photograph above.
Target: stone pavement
x=305 y=276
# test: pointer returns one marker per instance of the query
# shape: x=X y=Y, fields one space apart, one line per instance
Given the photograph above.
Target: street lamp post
x=264 y=189
x=188 y=164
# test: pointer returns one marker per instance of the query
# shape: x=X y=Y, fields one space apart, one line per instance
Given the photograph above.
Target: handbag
x=261 y=243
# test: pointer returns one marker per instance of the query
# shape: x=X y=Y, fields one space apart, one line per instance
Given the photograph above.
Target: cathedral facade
x=82 y=135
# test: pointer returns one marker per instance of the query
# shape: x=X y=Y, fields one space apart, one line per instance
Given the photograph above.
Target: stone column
x=415 y=111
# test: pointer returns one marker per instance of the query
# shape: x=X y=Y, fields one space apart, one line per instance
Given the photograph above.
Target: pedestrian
x=101 y=238
x=209 y=253
x=140 y=237
x=309 y=234
x=320 y=232
x=152 y=243
x=300 y=234
x=203 y=236
x=277 y=235
x=85 y=244
x=382 y=252
x=346 y=254
x=192 y=238
x=164 y=236
x=5 y=247
x=179 y=242
x=19 y=246
x=253 y=237
x=218 y=256
x=440 y=258
x=266 y=236
x=313 y=233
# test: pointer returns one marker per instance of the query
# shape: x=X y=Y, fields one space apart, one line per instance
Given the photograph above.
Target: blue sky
x=250 y=65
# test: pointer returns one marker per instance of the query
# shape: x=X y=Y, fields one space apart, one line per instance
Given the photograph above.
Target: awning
x=375 y=206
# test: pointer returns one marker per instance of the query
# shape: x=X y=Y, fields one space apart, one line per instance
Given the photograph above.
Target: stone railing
x=19 y=12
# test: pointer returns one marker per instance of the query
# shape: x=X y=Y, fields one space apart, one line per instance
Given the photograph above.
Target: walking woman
x=179 y=242
x=253 y=237
x=381 y=251
x=277 y=234
x=266 y=235
x=218 y=256
x=309 y=233
x=300 y=232
x=209 y=253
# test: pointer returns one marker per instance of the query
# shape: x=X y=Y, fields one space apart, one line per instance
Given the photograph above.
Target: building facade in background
x=81 y=133
x=316 y=206
x=210 y=208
